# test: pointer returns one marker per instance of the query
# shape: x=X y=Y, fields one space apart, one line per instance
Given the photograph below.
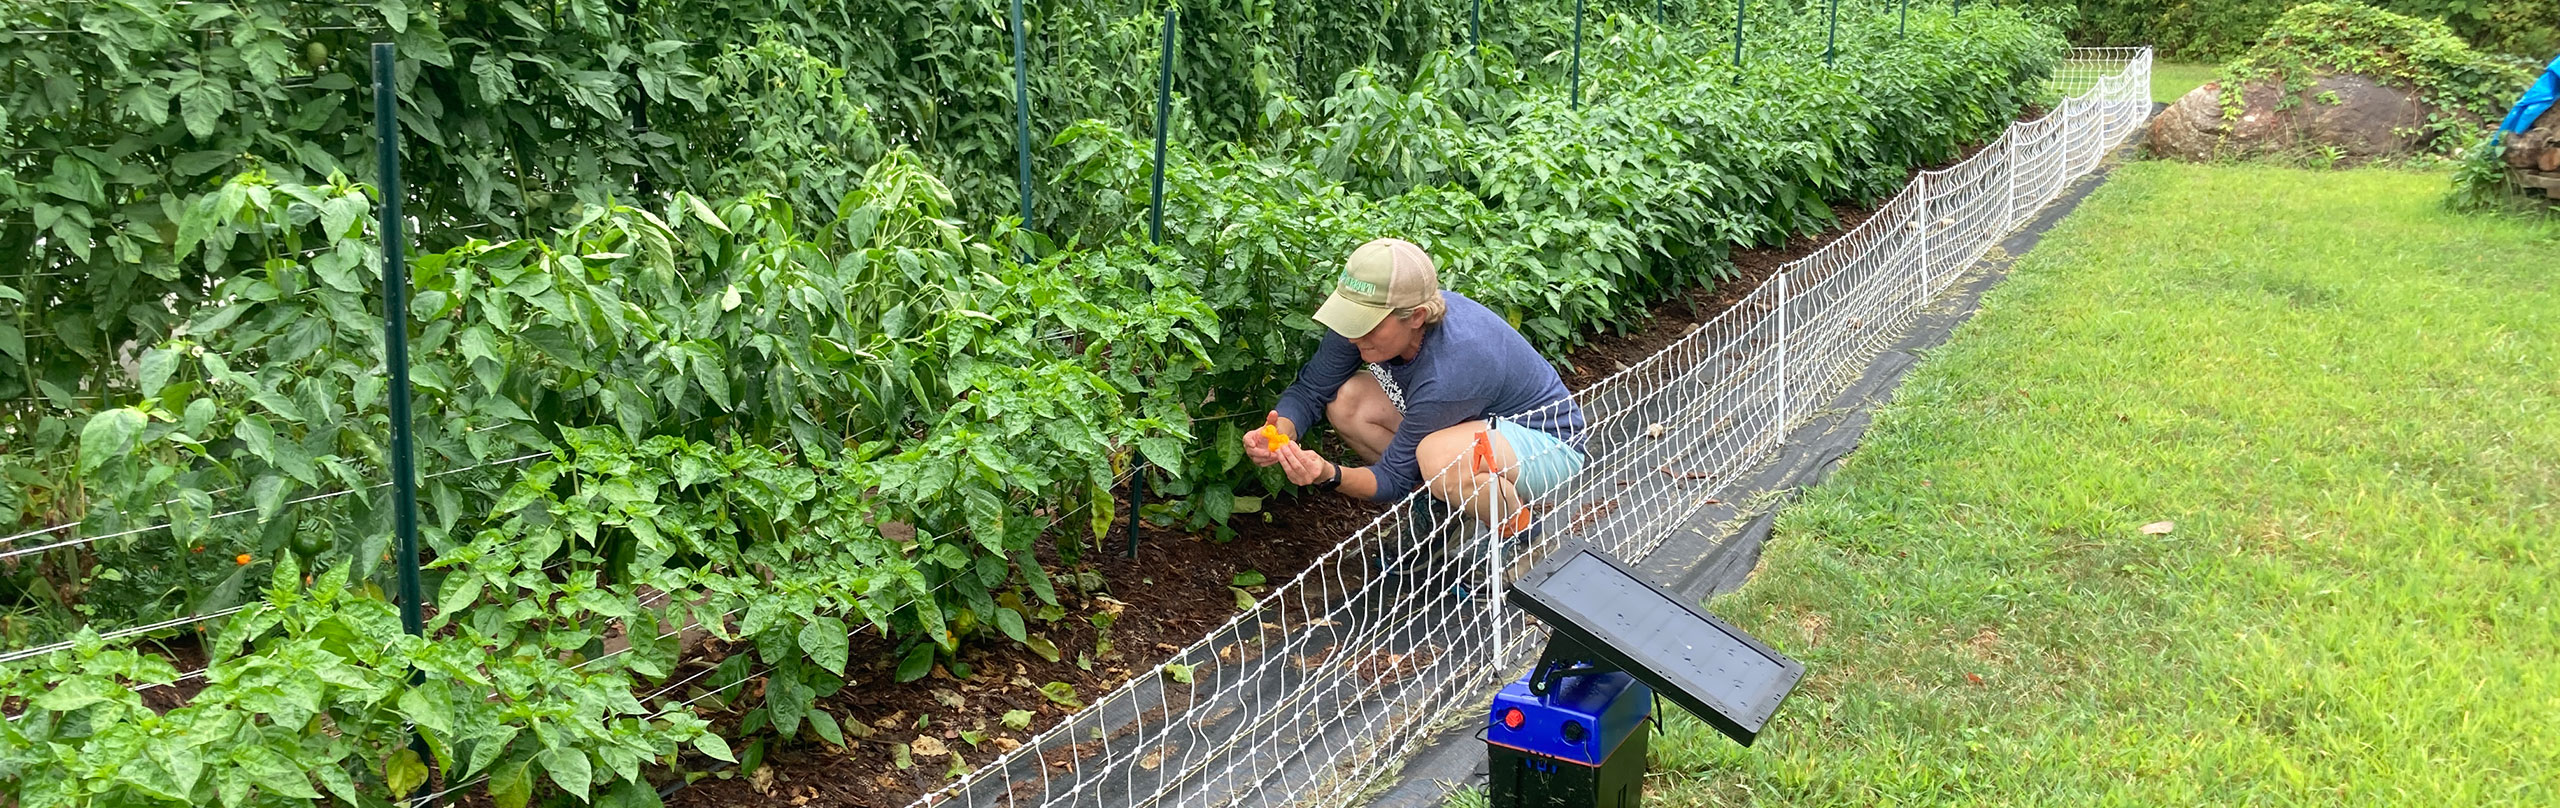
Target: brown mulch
x=1175 y=591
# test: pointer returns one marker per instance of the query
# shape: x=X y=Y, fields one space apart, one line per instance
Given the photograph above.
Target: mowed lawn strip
x=2171 y=81
x=2342 y=395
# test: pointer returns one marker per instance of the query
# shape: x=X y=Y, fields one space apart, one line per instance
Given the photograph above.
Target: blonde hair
x=1433 y=309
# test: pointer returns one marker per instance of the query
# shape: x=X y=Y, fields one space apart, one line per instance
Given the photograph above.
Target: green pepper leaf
x=825 y=639
x=403 y=774
x=712 y=744
x=109 y=435
x=511 y=786
x=919 y=661
x=569 y=768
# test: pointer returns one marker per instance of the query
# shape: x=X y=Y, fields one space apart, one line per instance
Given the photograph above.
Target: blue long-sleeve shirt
x=1472 y=366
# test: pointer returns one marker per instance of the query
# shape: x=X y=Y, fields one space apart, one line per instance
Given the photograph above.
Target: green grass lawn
x=2348 y=401
x=2171 y=81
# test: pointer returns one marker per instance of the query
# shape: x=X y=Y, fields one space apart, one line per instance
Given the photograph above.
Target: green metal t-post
x=1475 y=26
x=1164 y=109
x=1155 y=236
x=1577 y=54
x=395 y=335
x=1741 y=10
x=395 y=353
x=1905 y=29
x=1021 y=113
x=1830 y=45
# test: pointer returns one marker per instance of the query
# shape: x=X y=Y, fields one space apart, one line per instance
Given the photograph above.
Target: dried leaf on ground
x=1385 y=667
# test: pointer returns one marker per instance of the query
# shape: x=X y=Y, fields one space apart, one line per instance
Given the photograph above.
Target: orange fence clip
x=1483 y=461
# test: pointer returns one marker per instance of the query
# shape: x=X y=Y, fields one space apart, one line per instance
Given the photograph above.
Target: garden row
x=153 y=152
x=783 y=422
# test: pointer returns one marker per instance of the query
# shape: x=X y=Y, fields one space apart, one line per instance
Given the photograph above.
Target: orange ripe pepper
x=1273 y=438
x=243 y=559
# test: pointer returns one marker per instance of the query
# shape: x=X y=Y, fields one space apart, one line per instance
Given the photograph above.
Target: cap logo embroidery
x=1358 y=285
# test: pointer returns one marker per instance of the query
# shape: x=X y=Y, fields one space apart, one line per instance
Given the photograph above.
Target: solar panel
x=1599 y=608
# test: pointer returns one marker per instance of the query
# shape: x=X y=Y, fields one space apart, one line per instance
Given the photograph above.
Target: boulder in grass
x=2343 y=80
x=2361 y=118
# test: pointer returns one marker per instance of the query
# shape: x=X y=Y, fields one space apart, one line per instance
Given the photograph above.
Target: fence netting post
x=1493 y=589
x=1785 y=410
x=1925 y=220
x=2009 y=158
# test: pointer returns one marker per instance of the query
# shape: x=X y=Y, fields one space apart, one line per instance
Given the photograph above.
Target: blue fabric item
x=1546 y=462
x=1472 y=366
x=2536 y=99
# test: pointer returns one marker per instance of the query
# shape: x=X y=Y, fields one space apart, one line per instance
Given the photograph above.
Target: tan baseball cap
x=1380 y=277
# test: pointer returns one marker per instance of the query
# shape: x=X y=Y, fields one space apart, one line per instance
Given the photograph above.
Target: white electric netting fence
x=1346 y=669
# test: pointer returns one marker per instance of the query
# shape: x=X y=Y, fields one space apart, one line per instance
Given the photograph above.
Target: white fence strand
x=1340 y=672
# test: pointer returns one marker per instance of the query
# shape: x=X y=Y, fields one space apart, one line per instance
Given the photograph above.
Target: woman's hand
x=1305 y=467
x=1259 y=445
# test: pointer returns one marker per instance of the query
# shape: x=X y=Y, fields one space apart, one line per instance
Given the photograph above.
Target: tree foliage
x=2215 y=30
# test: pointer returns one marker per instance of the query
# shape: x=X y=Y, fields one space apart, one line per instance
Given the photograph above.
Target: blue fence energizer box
x=1581 y=744
x=1572 y=733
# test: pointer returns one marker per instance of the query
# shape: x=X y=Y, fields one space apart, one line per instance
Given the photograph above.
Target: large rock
x=2361 y=118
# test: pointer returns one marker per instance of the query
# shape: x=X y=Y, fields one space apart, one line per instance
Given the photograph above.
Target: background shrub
x=2215 y=30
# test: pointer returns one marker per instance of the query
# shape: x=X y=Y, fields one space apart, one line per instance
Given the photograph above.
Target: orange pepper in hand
x=1273 y=438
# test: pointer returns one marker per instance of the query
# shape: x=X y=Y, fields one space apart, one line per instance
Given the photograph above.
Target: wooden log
x=2549 y=183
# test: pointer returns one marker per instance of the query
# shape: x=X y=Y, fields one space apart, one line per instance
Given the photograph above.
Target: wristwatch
x=1334 y=483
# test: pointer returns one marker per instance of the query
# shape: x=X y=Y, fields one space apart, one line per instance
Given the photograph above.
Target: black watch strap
x=1334 y=483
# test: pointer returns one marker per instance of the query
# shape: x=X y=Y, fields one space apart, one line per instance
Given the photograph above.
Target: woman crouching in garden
x=1411 y=376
